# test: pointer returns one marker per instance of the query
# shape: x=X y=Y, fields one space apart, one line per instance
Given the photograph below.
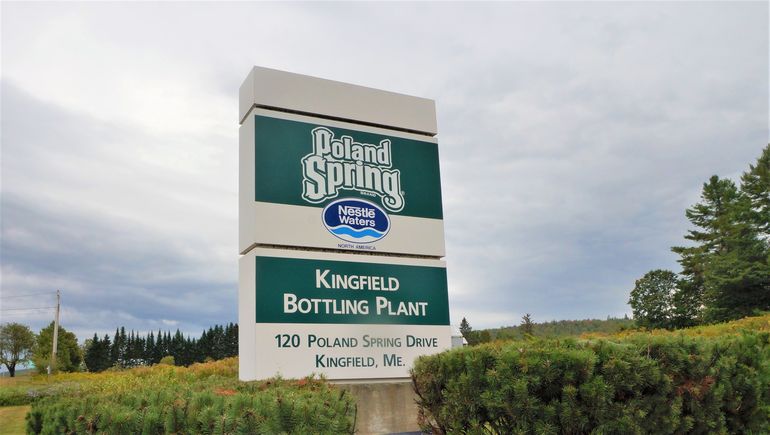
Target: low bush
x=204 y=398
x=14 y=396
x=637 y=384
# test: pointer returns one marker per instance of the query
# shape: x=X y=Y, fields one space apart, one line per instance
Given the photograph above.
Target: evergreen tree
x=167 y=348
x=90 y=353
x=149 y=349
x=132 y=349
x=471 y=336
x=123 y=348
x=205 y=345
x=104 y=354
x=97 y=354
x=727 y=270
x=231 y=336
x=176 y=348
x=115 y=349
x=527 y=327
x=158 y=352
x=219 y=347
x=755 y=184
x=713 y=218
x=465 y=328
x=141 y=350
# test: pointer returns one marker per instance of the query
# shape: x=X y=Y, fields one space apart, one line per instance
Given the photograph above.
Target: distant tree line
x=557 y=328
x=471 y=336
x=133 y=349
x=725 y=267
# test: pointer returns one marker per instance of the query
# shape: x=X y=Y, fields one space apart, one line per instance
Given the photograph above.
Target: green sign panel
x=290 y=290
x=309 y=164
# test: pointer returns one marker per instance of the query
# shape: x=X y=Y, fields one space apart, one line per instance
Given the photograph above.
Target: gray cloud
x=82 y=213
x=572 y=138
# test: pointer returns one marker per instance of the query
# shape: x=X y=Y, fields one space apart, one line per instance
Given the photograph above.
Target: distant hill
x=565 y=328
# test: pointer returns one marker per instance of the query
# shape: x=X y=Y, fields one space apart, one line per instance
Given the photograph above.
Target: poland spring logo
x=343 y=164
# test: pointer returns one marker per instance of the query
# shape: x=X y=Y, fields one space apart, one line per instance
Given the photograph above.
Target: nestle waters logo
x=356 y=220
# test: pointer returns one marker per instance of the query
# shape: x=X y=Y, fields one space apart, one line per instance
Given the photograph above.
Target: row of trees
x=19 y=346
x=133 y=349
x=726 y=267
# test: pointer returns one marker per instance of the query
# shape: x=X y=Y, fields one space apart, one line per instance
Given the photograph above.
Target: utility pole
x=52 y=365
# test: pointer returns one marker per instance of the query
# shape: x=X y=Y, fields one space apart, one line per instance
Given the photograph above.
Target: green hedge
x=25 y=395
x=14 y=396
x=174 y=400
x=637 y=385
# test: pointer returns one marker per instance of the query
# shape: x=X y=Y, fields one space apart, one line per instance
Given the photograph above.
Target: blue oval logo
x=356 y=220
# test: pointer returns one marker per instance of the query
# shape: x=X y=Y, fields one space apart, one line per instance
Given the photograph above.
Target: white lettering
x=343 y=163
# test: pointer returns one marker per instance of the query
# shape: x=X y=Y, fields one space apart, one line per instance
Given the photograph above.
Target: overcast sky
x=572 y=137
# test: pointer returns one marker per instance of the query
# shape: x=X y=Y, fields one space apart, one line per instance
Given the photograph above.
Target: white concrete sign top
x=273 y=89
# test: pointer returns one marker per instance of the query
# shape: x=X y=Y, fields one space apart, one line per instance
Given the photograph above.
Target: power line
x=26 y=295
x=21 y=309
x=24 y=314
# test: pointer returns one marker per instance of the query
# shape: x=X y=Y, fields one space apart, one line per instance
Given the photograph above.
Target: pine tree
x=167 y=347
x=219 y=348
x=115 y=349
x=133 y=349
x=105 y=361
x=527 y=327
x=97 y=354
x=176 y=348
x=158 y=352
x=123 y=346
x=130 y=346
x=141 y=349
x=204 y=344
x=727 y=270
x=755 y=184
x=471 y=336
x=231 y=335
x=712 y=217
x=91 y=353
x=149 y=349
x=465 y=328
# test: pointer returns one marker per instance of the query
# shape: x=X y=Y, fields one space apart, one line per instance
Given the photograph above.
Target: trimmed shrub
x=639 y=384
x=14 y=396
x=204 y=398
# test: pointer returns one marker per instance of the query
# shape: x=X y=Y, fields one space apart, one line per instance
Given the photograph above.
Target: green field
x=12 y=419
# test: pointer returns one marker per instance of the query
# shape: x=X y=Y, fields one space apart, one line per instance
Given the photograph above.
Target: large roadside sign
x=341 y=231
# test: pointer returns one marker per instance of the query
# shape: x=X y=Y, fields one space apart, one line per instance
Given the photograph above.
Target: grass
x=21 y=379
x=12 y=419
